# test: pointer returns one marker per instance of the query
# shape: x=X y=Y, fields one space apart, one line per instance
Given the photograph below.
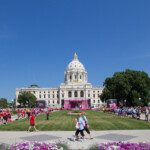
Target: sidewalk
x=64 y=137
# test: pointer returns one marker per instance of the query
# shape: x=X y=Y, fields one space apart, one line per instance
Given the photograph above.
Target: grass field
x=61 y=121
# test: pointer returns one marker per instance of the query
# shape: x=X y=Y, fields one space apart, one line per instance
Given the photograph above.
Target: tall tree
x=132 y=86
x=3 y=103
x=27 y=98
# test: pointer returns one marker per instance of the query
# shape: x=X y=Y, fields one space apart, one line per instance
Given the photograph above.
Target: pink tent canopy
x=78 y=100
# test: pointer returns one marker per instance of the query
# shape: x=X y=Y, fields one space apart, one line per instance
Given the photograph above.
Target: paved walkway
x=65 y=136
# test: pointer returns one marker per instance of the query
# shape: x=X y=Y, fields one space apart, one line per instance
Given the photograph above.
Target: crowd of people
x=22 y=113
x=5 y=116
x=134 y=112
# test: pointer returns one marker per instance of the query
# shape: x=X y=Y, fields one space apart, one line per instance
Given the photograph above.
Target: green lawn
x=61 y=121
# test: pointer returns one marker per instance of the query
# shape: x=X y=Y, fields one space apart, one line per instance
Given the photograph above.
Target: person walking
x=32 y=123
x=47 y=114
x=80 y=127
x=18 y=114
x=146 y=113
x=86 y=127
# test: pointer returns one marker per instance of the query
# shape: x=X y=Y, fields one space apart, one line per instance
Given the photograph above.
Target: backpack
x=83 y=123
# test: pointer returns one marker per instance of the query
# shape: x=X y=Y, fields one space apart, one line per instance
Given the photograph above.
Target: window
x=53 y=102
x=34 y=92
x=98 y=101
x=39 y=96
x=62 y=95
x=57 y=96
x=53 y=96
x=94 y=95
x=81 y=94
x=75 y=76
x=75 y=94
x=57 y=101
x=70 y=77
x=49 y=96
x=69 y=94
x=88 y=95
x=49 y=102
x=93 y=101
x=48 y=91
x=44 y=96
x=80 y=77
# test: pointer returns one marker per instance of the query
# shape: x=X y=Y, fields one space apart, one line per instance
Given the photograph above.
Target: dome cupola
x=75 y=64
x=75 y=71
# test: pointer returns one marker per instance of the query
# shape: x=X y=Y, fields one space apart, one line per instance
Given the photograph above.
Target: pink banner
x=79 y=100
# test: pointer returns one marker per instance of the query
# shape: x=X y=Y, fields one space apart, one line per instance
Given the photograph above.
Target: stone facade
x=75 y=87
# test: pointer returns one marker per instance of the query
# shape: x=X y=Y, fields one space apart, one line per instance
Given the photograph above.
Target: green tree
x=3 y=103
x=27 y=98
x=130 y=86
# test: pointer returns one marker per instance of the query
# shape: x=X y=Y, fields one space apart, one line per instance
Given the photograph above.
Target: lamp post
x=125 y=102
x=29 y=103
x=12 y=105
x=139 y=98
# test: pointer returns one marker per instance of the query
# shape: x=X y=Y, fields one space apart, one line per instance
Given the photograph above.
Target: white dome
x=75 y=64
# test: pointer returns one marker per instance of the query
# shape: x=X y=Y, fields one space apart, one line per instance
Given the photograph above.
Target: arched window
x=69 y=94
x=81 y=94
x=80 y=77
x=70 y=77
x=75 y=94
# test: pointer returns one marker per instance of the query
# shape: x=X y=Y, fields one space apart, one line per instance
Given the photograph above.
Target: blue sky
x=39 y=38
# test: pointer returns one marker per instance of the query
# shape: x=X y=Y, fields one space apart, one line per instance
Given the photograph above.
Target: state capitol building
x=74 y=92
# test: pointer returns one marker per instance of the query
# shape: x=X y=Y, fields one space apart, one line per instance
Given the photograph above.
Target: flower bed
x=31 y=146
x=102 y=146
x=73 y=113
x=124 y=146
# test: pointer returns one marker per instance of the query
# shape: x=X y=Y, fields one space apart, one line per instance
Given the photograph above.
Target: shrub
x=76 y=111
